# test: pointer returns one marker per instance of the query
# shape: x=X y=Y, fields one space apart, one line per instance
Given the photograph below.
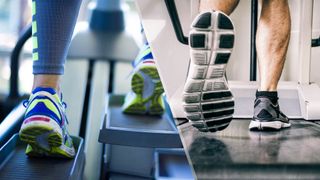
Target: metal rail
x=14 y=64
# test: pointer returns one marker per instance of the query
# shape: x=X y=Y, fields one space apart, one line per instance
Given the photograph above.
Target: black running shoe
x=208 y=102
x=268 y=116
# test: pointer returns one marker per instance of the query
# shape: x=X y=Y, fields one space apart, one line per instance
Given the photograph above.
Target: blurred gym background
x=16 y=14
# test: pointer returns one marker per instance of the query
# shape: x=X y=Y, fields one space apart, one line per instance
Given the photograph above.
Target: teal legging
x=53 y=23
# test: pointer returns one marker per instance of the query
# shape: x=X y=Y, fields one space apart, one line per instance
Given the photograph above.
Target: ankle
x=272 y=95
x=268 y=86
x=47 y=81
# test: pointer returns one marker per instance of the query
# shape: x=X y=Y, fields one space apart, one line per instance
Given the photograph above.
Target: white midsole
x=273 y=125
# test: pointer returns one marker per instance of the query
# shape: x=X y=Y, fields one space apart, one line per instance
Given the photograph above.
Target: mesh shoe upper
x=265 y=110
x=145 y=54
x=46 y=102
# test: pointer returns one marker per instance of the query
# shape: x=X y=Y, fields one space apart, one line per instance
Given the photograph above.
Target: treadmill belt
x=14 y=164
x=237 y=153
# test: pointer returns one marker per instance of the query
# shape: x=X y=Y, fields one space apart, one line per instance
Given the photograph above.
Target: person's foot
x=44 y=128
x=146 y=92
x=267 y=114
x=208 y=102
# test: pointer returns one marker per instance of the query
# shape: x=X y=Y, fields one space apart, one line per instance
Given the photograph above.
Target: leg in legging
x=45 y=122
x=52 y=27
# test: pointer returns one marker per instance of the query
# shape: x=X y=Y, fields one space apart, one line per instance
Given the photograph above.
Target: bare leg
x=273 y=36
x=226 y=6
x=272 y=43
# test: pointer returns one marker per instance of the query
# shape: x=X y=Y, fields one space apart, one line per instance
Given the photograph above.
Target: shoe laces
x=25 y=103
x=282 y=114
x=64 y=106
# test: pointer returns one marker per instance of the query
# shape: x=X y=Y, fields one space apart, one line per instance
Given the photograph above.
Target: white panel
x=73 y=88
x=171 y=56
x=93 y=148
x=305 y=41
x=291 y=66
x=239 y=63
x=315 y=52
x=310 y=101
x=122 y=79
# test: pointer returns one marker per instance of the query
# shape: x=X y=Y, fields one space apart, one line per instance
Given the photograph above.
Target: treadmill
x=106 y=47
x=14 y=164
x=237 y=153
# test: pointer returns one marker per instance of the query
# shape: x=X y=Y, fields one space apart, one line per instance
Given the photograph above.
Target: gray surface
x=117 y=176
x=237 y=153
x=172 y=164
x=137 y=130
x=244 y=99
x=138 y=122
x=88 y=44
x=131 y=140
x=16 y=165
x=134 y=161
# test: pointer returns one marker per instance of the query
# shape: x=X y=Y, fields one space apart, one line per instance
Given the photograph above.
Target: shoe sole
x=36 y=151
x=138 y=84
x=45 y=138
x=274 y=125
x=208 y=101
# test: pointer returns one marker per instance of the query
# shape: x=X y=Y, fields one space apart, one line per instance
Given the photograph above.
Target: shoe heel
x=140 y=103
x=37 y=133
x=137 y=106
x=156 y=106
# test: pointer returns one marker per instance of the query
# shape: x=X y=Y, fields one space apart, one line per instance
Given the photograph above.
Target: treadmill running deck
x=14 y=164
x=237 y=153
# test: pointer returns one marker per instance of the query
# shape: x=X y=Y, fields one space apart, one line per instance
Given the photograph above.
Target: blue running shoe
x=45 y=125
x=147 y=90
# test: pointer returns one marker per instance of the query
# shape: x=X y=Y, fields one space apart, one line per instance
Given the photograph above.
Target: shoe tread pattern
x=208 y=102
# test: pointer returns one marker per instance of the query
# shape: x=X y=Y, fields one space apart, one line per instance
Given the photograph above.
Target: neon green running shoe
x=44 y=128
x=146 y=88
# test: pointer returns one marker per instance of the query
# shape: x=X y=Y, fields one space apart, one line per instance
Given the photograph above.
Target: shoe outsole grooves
x=36 y=151
x=30 y=135
x=208 y=101
x=138 y=106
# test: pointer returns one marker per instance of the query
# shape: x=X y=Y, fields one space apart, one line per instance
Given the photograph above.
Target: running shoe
x=267 y=116
x=44 y=128
x=208 y=101
x=146 y=92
